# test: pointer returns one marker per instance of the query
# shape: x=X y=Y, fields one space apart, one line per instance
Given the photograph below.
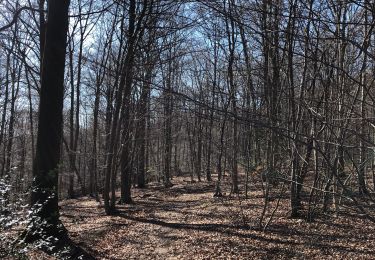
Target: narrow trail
x=186 y=222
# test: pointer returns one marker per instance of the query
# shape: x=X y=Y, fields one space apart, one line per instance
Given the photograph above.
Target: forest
x=189 y=129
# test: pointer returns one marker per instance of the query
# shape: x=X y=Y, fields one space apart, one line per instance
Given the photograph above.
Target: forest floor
x=187 y=222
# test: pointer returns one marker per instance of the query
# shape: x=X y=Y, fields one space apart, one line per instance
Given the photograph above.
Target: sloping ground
x=187 y=222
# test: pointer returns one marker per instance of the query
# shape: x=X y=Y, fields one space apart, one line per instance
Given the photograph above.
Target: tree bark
x=44 y=195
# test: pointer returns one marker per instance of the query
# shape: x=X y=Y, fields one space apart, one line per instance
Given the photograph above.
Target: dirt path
x=186 y=222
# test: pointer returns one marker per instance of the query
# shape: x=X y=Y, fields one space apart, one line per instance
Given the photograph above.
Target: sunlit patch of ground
x=187 y=222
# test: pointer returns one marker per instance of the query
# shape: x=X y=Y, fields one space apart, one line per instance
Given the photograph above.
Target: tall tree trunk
x=44 y=194
x=168 y=124
x=231 y=37
x=4 y=110
x=142 y=128
x=363 y=81
x=167 y=138
x=15 y=88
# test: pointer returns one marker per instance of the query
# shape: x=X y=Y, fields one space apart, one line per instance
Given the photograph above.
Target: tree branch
x=16 y=15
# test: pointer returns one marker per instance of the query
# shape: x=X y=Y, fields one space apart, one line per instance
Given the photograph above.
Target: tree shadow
x=68 y=249
x=320 y=242
x=158 y=205
x=60 y=247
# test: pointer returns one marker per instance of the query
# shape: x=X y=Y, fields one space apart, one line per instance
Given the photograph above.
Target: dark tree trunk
x=230 y=30
x=168 y=139
x=12 y=118
x=4 y=111
x=44 y=195
x=198 y=162
x=94 y=163
x=127 y=81
x=126 y=163
x=143 y=111
x=168 y=126
x=70 y=150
